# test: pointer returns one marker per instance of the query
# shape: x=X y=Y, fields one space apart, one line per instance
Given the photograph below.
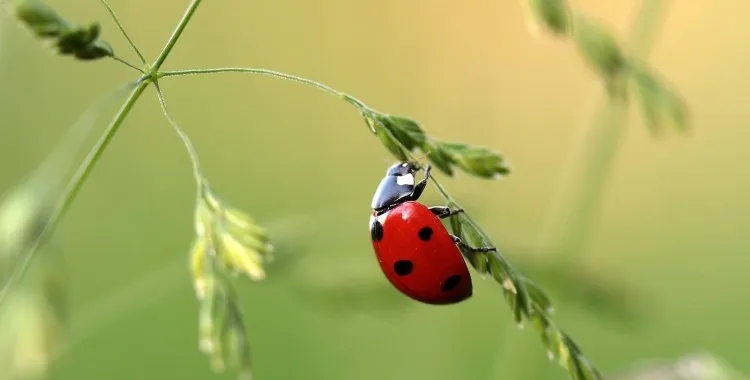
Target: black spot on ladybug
x=403 y=267
x=451 y=283
x=376 y=231
x=425 y=233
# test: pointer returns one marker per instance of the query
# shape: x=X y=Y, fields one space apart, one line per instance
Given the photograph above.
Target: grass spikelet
x=81 y=42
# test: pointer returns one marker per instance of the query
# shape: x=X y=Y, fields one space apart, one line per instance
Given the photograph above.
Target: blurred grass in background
x=670 y=227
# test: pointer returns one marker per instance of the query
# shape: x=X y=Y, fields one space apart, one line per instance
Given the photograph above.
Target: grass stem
x=175 y=36
x=124 y=33
x=192 y=153
x=128 y=64
x=249 y=70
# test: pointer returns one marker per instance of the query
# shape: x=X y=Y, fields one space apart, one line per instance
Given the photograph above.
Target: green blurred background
x=671 y=227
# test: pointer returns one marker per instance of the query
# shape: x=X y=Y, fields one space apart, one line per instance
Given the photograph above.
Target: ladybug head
x=402 y=168
x=396 y=186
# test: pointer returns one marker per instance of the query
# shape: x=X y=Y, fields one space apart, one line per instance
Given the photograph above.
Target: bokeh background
x=670 y=233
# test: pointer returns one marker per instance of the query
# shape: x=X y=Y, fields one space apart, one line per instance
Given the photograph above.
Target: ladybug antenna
x=422 y=157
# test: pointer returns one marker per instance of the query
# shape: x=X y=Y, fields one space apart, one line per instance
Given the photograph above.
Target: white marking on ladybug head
x=406 y=179
x=381 y=217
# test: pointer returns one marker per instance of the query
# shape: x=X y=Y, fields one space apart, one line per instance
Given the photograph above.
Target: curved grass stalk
x=257 y=71
x=192 y=153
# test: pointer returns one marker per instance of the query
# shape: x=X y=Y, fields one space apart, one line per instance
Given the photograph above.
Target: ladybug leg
x=469 y=248
x=419 y=187
x=444 y=211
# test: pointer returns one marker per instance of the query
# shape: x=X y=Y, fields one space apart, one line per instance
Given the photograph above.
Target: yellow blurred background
x=671 y=226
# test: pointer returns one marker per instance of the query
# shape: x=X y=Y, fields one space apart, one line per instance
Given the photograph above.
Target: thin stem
x=249 y=70
x=185 y=139
x=361 y=106
x=124 y=33
x=128 y=64
x=439 y=187
x=327 y=89
x=280 y=75
x=175 y=35
x=75 y=184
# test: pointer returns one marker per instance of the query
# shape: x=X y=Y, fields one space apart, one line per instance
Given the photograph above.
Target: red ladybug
x=415 y=251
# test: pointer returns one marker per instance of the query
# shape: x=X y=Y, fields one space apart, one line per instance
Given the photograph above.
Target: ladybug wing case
x=418 y=256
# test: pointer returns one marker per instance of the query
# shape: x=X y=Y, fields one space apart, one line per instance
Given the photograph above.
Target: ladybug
x=415 y=251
